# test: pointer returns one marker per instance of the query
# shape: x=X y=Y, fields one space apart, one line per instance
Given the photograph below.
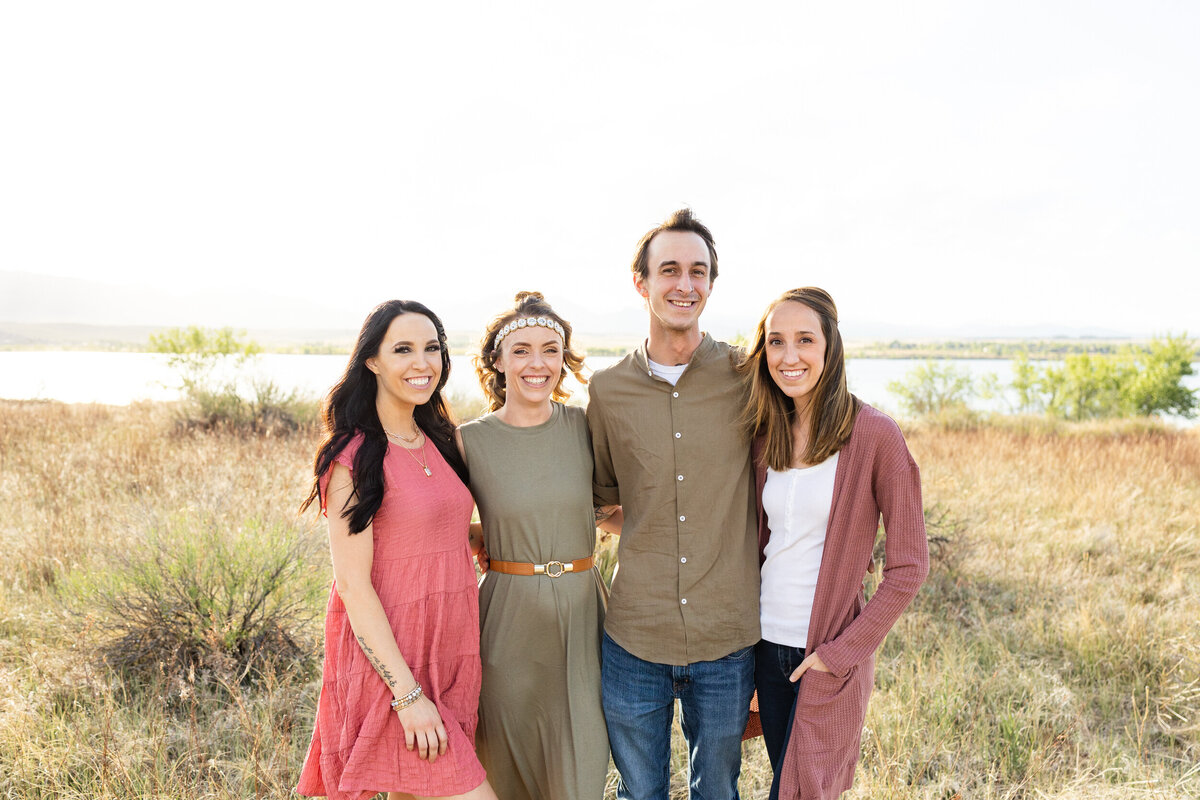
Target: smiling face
x=531 y=360
x=794 y=347
x=677 y=281
x=409 y=362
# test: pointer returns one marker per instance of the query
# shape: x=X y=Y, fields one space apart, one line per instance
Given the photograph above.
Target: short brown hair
x=770 y=412
x=492 y=381
x=681 y=220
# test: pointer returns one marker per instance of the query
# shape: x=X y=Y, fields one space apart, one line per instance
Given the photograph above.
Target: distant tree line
x=1133 y=381
x=1052 y=349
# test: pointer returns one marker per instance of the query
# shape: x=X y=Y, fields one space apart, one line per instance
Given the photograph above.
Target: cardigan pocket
x=829 y=712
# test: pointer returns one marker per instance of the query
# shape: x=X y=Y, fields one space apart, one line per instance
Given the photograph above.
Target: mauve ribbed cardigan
x=876 y=475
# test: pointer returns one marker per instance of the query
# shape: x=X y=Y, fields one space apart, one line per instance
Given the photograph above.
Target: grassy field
x=1054 y=652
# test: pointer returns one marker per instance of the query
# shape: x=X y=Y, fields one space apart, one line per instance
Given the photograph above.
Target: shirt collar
x=641 y=356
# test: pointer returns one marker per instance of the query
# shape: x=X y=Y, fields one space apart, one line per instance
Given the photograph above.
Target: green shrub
x=209 y=404
x=1137 y=381
x=1025 y=386
x=270 y=411
x=932 y=389
x=194 y=352
x=196 y=598
x=1157 y=387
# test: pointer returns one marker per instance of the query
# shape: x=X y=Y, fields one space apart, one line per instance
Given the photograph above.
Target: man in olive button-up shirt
x=683 y=616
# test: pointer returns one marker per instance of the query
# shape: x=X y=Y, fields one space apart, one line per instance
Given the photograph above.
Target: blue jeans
x=773 y=663
x=639 y=702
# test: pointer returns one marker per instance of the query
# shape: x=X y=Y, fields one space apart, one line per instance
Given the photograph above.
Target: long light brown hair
x=492 y=381
x=770 y=412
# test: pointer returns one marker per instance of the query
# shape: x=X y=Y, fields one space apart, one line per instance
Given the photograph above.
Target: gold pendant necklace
x=421 y=461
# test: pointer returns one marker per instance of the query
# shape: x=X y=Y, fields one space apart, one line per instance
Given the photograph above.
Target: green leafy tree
x=1085 y=386
x=1026 y=385
x=194 y=352
x=933 y=388
x=1136 y=381
x=211 y=396
x=1157 y=386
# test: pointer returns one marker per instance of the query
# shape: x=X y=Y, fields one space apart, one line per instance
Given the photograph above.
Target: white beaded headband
x=527 y=322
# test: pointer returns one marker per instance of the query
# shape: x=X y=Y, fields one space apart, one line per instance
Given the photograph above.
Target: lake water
x=121 y=378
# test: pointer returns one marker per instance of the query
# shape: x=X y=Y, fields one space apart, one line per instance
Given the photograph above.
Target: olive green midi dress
x=541 y=729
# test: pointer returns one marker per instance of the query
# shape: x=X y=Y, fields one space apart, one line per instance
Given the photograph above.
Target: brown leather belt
x=551 y=569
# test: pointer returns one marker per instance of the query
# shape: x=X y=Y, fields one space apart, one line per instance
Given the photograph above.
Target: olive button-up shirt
x=677 y=461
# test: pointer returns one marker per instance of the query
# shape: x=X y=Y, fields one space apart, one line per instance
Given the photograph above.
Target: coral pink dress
x=425 y=578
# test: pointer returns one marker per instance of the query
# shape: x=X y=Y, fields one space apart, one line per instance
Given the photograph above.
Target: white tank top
x=797 y=503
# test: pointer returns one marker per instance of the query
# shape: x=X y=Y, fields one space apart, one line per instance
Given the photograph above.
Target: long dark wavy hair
x=350 y=409
x=770 y=412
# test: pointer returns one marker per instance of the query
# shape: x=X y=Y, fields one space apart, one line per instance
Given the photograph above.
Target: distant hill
x=30 y=298
x=61 y=313
x=71 y=336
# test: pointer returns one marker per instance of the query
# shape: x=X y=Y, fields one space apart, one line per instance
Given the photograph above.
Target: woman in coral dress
x=400 y=685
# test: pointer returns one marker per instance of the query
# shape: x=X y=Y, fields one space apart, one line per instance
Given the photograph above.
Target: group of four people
x=747 y=487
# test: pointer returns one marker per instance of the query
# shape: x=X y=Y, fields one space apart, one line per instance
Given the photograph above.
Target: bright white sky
x=931 y=163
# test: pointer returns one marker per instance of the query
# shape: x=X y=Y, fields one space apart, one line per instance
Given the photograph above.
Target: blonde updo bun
x=521 y=297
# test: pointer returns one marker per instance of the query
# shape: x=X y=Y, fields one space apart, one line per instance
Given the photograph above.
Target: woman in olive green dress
x=541 y=730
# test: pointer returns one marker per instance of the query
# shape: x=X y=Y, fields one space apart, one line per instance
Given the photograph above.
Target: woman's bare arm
x=352 y=556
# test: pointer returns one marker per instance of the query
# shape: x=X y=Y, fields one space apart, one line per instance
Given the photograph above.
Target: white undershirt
x=797 y=504
x=669 y=374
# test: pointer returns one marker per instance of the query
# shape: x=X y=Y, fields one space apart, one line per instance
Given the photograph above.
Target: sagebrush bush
x=197 y=598
x=269 y=410
x=198 y=355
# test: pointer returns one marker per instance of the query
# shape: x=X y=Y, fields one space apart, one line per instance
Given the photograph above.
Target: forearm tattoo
x=603 y=512
x=380 y=667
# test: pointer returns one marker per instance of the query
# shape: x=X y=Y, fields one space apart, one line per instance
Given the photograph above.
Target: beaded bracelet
x=401 y=703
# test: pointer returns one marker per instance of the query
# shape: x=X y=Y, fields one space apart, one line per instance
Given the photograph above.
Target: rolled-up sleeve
x=605 y=491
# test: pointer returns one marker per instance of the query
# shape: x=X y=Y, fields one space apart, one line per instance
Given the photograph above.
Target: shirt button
x=674 y=394
x=678 y=477
x=683 y=518
x=677 y=434
x=684 y=601
x=683 y=560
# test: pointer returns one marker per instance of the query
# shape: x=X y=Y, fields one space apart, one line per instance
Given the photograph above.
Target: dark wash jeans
x=773 y=663
x=639 y=702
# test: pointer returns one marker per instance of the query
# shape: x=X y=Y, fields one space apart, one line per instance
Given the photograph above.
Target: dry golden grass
x=82 y=487
x=1059 y=656
x=1052 y=654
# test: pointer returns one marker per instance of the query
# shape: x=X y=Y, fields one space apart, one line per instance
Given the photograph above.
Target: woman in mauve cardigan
x=802 y=416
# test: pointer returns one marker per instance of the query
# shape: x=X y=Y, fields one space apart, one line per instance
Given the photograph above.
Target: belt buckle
x=553 y=569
